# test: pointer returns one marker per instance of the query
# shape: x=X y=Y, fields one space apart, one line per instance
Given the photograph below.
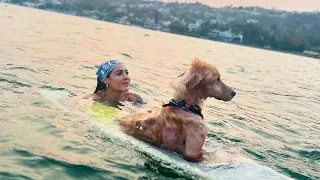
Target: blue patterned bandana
x=105 y=68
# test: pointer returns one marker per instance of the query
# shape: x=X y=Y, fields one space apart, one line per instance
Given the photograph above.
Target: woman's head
x=113 y=74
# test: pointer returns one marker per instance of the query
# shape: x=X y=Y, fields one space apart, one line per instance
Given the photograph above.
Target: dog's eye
x=218 y=78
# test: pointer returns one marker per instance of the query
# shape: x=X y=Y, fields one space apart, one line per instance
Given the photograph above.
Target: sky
x=289 y=5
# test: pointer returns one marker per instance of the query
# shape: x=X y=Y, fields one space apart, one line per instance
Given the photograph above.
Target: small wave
x=20 y=49
x=52 y=130
x=294 y=174
x=314 y=155
x=53 y=88
x=99 y=40
x=75 y=86
x=214 y=136
x=285 y=95
x=38 y=104
x=10 y=75
x=15 y=82
x=238 y=123
x=236 y=140
x=22 y=68
x=139 y=89
x=282 y=127
x=71 y=169
x=236 y=71
x=264 y=134
x=217 y=124
x=255 y=154
x=55 y=92
x=127 y=55
x=273 y=93
x=7 y=175
x=90 y=67
x=223 y=138
x=277 y=154
x=82 y=77
x=77 y=150
x=23 y=153
x=238 y=117
x=167 y=170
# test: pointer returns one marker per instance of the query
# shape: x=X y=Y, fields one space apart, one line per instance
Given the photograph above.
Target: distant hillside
x=253 y=26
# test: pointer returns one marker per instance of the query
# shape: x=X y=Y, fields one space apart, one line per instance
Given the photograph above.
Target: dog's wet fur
x=173 y=128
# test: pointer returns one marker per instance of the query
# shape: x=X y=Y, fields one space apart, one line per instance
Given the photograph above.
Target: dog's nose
x=233 y=93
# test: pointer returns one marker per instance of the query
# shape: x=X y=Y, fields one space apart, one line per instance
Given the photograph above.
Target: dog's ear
x=192 y=79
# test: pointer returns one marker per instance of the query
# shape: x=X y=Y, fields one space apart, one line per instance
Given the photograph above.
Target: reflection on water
x=274 y=118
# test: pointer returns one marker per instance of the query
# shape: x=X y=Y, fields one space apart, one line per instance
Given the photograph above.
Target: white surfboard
x=240 y=169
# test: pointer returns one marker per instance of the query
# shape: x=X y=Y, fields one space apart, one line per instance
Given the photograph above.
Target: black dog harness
x=193 y=108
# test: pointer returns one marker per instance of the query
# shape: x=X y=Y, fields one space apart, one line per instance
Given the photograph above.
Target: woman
x=113 y=84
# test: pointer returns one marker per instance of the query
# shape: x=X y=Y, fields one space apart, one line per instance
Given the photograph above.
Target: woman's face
x=118 y=79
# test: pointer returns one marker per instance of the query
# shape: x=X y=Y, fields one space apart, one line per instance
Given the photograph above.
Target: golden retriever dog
x=179 y=126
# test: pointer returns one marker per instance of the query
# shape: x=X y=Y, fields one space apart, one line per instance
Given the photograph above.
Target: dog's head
x=203 y=80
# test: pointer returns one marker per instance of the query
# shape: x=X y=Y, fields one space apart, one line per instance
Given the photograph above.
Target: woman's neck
x=112 y=96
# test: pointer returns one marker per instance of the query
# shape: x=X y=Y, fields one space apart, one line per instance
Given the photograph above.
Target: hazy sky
x=297 y=5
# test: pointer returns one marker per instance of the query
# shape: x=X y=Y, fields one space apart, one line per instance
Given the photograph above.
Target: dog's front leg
x=193 y=146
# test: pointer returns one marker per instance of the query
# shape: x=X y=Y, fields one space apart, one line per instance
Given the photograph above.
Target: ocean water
x=273 y=120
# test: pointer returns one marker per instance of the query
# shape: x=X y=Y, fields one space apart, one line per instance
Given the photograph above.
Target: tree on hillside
x=177 y=27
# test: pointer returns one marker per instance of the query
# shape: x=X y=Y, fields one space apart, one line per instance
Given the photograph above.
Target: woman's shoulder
x=125 y=96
